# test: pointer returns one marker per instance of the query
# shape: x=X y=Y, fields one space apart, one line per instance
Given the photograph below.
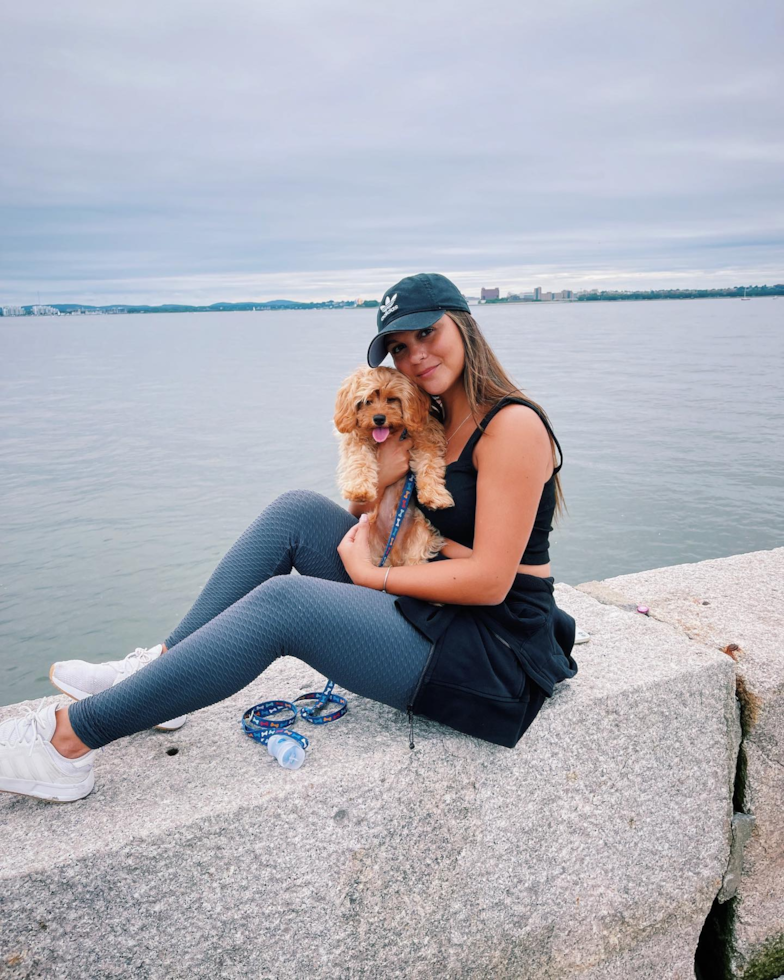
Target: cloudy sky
x=196 y=151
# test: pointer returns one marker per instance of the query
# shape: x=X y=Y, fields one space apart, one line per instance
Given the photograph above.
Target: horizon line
x=361 y=302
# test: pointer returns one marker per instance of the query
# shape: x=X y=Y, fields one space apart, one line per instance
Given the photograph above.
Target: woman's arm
x=513 y=461
x=452 y=549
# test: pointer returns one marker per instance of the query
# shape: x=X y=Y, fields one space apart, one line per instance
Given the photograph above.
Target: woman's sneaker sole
x=77 y=695
x=48 y=792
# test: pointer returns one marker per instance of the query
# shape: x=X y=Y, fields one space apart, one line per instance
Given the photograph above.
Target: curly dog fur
x=382 y=398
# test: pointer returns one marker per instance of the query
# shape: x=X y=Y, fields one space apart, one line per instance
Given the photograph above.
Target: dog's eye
x=393 y=399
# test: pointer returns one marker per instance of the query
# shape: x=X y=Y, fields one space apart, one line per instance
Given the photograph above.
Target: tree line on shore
x=286 y=304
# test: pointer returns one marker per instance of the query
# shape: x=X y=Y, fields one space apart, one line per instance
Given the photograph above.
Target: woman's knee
x=304 y=603
x=298 y=504
x=281 y=593
x=295 y=512
x=286 y=604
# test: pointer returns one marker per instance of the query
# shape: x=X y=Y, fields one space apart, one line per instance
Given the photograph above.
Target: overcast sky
x=203 y=150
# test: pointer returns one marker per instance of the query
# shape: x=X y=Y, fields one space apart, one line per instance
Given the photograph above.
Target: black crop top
x=457 y=523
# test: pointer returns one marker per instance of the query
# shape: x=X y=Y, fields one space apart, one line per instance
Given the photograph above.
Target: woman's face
x=433 y=357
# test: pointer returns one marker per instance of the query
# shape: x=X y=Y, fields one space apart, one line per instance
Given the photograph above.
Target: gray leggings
x=252 y=611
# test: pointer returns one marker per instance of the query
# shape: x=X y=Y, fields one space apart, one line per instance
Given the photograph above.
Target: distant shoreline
x=594 y=296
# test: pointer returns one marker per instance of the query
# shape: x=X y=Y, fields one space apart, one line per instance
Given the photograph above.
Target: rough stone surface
x=594 y=849
x=742 y=826
x=736 y=605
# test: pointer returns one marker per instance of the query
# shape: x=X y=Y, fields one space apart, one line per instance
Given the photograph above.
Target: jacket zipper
x=414 y=697
x=522 y=662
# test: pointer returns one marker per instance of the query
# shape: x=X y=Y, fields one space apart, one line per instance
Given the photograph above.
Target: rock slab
x=594 y=849
x=736 y=605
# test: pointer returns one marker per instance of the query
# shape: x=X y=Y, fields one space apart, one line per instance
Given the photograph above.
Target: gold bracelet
x=384 y=586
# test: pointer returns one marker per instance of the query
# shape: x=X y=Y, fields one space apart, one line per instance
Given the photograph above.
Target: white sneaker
x=581 y=636
x=79 y=679
x=32 y=766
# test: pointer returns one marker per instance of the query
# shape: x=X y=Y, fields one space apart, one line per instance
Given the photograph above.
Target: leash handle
x=322 y=699
x=258 y=724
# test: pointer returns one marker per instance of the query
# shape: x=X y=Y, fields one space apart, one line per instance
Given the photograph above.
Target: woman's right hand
x=393 y=464
x=394 y=460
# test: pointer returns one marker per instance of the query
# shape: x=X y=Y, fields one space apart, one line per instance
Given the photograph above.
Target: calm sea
x=134 y=449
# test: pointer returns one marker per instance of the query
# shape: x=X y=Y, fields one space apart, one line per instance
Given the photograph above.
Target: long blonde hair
x=486 y=382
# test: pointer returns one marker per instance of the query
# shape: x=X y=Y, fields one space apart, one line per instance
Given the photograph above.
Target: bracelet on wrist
x=384 y=586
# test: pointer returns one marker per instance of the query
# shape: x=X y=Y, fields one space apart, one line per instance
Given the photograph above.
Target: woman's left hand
x=354 y=551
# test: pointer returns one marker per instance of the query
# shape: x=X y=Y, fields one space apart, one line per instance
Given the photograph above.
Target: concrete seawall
x=635 y=827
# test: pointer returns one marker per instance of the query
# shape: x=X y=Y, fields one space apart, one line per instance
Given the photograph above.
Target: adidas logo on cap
x=388 y=306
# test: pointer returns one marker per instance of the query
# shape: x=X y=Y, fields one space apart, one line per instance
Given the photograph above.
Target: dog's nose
x=379 y=419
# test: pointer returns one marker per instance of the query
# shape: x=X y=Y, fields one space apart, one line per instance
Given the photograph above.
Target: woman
x=472 y=639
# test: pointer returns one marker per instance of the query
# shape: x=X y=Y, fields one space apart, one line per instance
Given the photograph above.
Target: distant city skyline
x=317 y=150
x=487 y=296
x=470 y=284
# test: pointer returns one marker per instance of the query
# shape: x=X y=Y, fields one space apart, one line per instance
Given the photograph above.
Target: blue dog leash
x=402 y=507
x=258 y=723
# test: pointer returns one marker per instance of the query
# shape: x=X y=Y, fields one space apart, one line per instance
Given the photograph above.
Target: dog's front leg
x=427 y=464
x=358 y=470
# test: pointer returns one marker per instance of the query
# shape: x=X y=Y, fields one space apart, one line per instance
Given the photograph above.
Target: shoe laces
x=138 y=658
x=21 y=728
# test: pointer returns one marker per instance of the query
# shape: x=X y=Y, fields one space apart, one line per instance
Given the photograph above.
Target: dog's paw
x=359 y=493
x=435 y=498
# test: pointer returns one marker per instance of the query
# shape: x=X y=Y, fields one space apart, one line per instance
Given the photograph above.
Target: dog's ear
x=346 y=404
x=415 y=403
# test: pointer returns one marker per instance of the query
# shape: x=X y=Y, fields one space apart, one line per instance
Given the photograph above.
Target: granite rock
x=594 y=849
x=736 y=605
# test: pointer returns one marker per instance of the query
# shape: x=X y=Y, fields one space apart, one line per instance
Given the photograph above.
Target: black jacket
x=491 y=667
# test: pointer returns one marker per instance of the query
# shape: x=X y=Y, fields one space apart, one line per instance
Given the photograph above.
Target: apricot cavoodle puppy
x=375 y=404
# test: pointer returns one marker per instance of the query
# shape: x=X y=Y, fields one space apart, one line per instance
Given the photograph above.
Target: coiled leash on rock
x=257 y=722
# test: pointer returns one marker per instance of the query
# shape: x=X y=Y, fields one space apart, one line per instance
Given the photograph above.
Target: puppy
x=373 y=405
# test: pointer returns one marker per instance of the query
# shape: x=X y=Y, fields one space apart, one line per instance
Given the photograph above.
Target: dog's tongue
x=380 y=434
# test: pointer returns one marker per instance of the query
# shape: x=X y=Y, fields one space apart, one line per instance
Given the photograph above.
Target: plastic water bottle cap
x=287 y=751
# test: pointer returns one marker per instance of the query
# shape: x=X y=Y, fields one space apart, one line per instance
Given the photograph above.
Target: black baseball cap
x=411 y=304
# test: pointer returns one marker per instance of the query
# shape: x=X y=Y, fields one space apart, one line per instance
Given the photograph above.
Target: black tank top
x=458 y=522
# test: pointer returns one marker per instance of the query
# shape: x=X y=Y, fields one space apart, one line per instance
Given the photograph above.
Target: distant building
x=490 y=293
x=45 y=311
x=13 y=311
x=551 y=297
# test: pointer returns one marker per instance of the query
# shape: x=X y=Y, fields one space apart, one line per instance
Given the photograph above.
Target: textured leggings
x=252 y=611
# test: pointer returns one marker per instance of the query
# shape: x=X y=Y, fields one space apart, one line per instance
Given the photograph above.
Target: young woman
x=473 y=639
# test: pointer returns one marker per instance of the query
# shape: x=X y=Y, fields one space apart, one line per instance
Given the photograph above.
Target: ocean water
x=135 y=449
